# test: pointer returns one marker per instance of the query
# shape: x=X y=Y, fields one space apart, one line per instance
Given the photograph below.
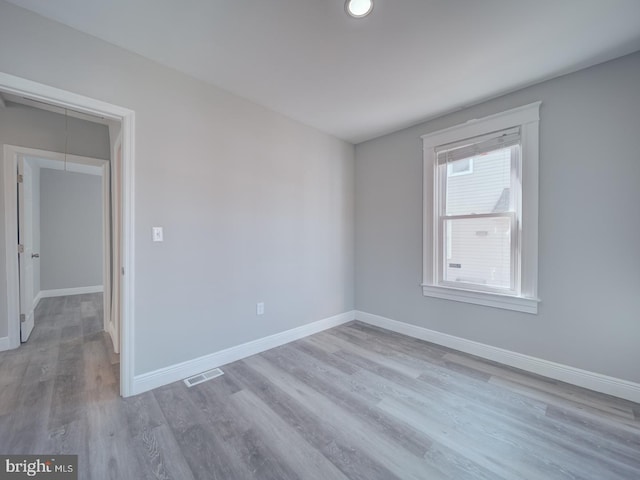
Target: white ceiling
x=410 y=60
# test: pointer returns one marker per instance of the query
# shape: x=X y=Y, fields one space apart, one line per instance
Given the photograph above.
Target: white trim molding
x=509 y=302
x=63 y=292
x=557 y=371
x=4 y=344
x=173 y=373
x=11 y=243
x=62 y=98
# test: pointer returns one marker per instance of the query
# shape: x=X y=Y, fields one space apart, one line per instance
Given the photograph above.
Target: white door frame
x=58 y=161
x=62 y=98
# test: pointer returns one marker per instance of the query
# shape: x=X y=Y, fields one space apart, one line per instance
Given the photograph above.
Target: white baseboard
x=63 y=292
x=4 y=344
x=575 y=376
x=173 y=373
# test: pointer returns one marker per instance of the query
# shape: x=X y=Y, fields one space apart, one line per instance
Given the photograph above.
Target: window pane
x=478 y=251
x=460 y=167
x=485 y=185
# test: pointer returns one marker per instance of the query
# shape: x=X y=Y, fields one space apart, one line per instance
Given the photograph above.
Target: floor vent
x=203 y=377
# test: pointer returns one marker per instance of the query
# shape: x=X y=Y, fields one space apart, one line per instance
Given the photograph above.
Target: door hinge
x=23 y=318
x=122 y=270
x=20 y=178
x=20 y=248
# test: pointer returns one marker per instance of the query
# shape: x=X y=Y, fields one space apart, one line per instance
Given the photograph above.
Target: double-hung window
x=481 y=208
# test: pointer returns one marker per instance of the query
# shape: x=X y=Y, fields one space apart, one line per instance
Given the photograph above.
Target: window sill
x=508 y=302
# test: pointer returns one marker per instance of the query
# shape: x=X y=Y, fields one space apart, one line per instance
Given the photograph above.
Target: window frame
x=525 y=296
x=442 y=244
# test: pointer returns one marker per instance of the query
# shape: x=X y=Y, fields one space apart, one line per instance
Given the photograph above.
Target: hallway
x=52 y=387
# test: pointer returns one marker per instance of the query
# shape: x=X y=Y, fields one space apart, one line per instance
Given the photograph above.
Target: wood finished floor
x=354 y=402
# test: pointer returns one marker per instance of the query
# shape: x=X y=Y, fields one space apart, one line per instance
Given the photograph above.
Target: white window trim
x=527 y=118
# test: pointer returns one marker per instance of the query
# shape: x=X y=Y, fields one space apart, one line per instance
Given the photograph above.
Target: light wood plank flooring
x=354 y=402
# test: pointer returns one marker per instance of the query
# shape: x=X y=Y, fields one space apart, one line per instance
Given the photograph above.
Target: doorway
x=124 y=185
x=64 y=231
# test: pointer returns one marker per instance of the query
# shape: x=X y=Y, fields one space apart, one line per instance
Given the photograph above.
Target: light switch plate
x=157 y=234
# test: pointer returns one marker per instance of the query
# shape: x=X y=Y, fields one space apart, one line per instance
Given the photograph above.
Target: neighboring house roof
x=502 y=205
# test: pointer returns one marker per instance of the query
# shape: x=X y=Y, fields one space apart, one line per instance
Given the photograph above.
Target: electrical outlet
x=260 y=308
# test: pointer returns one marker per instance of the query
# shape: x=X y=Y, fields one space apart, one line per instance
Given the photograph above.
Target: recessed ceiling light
x=358 y=8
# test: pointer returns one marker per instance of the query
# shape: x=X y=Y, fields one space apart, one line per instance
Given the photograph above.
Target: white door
x=25 y=239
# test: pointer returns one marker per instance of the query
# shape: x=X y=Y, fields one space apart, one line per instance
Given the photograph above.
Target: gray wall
x=589 y=260
x=70 y=229
x=255 y=206
x=31 y=127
